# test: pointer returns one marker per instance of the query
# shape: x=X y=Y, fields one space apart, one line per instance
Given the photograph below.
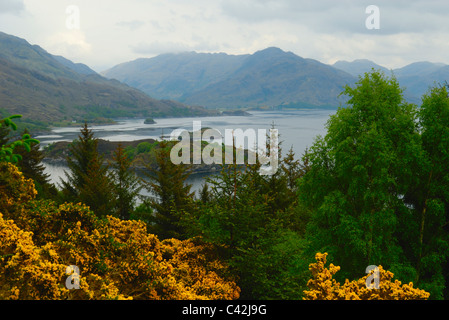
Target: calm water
x=297 y=129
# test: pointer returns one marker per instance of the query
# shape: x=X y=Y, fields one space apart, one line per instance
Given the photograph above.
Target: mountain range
x=415 y=78
x=270 y=77
x=46 y=89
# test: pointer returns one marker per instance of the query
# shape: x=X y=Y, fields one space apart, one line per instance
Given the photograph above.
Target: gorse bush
x=323 y=286
x=117 y=259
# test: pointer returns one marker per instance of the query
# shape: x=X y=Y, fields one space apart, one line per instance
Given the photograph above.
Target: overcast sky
x=110 y=32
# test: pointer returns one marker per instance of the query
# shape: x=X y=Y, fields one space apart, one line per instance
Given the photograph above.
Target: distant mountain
x=418 y=69
x=416 y=78
x=172 y=76
x=269 y=77
x=77 y=67
x=272 y=77
x=45 y=88
x=358 y=67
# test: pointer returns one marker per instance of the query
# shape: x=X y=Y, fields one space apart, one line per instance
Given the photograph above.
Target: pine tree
x=82 y=152
x=97 y=191
x=126 y=186
x=88 y=180
x=239 y=219
x=293 y=169
x=204 y=194
x=171 y=194
x=32 y=168
x=4 y=135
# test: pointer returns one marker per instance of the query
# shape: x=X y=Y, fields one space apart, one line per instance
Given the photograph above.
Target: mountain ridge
x=47 y=89
x=269 y=77
x=415 y=78
x=304 y=81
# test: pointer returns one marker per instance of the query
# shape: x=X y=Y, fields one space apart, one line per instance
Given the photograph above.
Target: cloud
x=343 y=16
x=11 y=6
x=160 y=47
x=116 y=31
x=71 y=44
x=131 y=25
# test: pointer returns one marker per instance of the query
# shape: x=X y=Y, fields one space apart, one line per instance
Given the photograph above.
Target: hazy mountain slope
x=32 y=57
x=172 y=76
x=358 y=67
x=77 y=67
x=270 y=77
x=416 y=78
x=418 y=69
x=43 y=87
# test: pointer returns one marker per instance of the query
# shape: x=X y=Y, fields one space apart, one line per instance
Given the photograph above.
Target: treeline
x=373 y=191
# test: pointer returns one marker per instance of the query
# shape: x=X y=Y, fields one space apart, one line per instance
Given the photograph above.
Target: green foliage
x=359 y=172
x=32 y=168
x=428 y=241
x=250 y=217
x=372 y=191
x=170 y=195
x=7 y=151
x=376 y=189
x=142 y=148
x=126 y=187
x=88 y=180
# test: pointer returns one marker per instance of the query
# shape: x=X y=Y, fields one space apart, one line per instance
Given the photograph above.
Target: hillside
x=173 y=76
x=270 y=77
x=415 y=78
x=47 y=89
x=358 y=67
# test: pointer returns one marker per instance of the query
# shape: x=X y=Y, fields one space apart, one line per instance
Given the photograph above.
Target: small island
x=149 y=121
x=235 y=113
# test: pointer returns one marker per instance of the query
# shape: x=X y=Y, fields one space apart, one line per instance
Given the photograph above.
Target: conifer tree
x=4 y=135
x=98 y=192
x=204 y=194
x=126 y=185
x=88 y=180
x=243 y=220
x=32 y=168
x=171 y=195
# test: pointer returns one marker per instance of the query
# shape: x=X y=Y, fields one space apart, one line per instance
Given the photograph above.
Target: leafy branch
x=7 y=151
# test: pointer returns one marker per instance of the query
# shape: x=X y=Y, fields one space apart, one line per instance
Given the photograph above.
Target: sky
x=104 y=33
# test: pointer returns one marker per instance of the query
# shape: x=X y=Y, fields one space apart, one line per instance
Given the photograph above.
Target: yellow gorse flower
x=323 y=287
x=116 y=259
